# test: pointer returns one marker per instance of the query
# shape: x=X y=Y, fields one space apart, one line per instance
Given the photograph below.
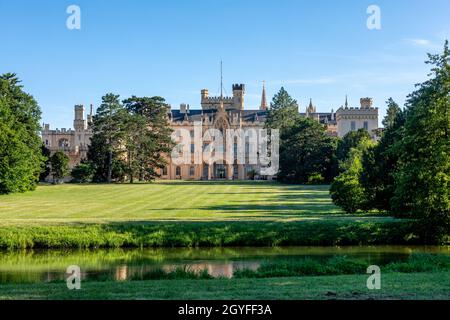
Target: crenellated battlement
x=218 y=99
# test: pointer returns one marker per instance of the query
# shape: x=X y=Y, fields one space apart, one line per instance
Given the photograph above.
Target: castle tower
x=263 y=98
x=90 y=116
x=79 y=124
x=238 y=96
x=366 y=103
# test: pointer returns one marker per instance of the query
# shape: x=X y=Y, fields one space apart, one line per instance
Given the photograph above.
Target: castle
x=73 y=142
x=221 y=113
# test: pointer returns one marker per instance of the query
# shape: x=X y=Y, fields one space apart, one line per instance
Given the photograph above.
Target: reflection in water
x=126 y=264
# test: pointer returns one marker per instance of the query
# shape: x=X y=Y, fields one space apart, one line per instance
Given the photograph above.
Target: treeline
x=407 y=173
x=129 y=140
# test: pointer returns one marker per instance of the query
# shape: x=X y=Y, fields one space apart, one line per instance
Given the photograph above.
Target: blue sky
x=315 y=49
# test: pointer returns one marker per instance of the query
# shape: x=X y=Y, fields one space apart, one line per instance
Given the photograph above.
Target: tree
x=99 y=157
x=148 y=136
x=59 y=163
x=108 y=133
x=392 y=111
x=306 y=150
x=380 y=163
x=423 y=177
x=283 y=112
x=346 y=190
x=351 y=140
x=82 y=173
x=20 y=144
x=45 y=169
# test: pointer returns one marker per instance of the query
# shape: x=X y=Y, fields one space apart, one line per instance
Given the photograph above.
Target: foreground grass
x=393 y=286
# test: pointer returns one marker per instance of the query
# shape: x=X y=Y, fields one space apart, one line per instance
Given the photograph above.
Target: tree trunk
x=109 y=166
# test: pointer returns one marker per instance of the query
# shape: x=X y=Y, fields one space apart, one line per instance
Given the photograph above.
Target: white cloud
x=424 y=43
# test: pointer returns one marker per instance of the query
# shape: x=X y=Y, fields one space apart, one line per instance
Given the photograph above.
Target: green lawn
x=393 y=286
x=187 y=214
x=186 y=201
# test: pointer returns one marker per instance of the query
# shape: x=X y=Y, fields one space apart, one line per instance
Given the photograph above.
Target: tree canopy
x=20 y=144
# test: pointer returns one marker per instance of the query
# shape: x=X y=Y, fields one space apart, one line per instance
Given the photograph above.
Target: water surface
x=124 y=264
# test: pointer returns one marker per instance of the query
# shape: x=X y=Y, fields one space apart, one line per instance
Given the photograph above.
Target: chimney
x=183 y=108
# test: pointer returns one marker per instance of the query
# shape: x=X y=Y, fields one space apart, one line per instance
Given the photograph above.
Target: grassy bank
x=187 y=214
x=325 y=232
x=393 y=286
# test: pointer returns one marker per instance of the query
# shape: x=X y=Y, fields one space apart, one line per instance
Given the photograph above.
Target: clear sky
x=316 y=49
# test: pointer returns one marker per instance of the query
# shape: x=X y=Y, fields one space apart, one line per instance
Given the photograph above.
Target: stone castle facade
x=73 y=142
x=221 y=113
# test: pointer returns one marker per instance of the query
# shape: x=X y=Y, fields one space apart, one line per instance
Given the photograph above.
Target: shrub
x=82 y=173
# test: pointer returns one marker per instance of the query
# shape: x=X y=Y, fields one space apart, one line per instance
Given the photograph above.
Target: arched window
x=192 y=171
x=164 y=171
x=63 y=143
x=178 y=171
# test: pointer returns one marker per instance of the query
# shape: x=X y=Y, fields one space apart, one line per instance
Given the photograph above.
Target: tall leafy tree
x=423 y=177
x=393 y=110
x=381 y=161
x=148 y=137
x=20 y=144
x=108 y=134
x=305 y=151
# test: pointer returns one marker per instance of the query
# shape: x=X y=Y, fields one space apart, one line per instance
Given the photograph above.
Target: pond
x=124 y=264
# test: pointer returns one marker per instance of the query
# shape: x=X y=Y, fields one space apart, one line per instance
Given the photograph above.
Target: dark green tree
x=45 y=170
x=59 y=163
x=82 y=173
x=108 y=135
x=98 y=157
x=20 y=143
x=423 y=177
x=346 y=190
x=305 y=151
x=148 y=136
x=380 y=164
x=283 y=112
x=391 y=114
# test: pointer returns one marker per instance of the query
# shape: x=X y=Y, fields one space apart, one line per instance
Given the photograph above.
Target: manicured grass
x=168 y=201
x=191 y=214
x=393 y=286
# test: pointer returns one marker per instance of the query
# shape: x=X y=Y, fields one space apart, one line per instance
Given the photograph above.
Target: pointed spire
x=263 y=98
x=346 y=101
x=221 y=80
x=310 y=108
